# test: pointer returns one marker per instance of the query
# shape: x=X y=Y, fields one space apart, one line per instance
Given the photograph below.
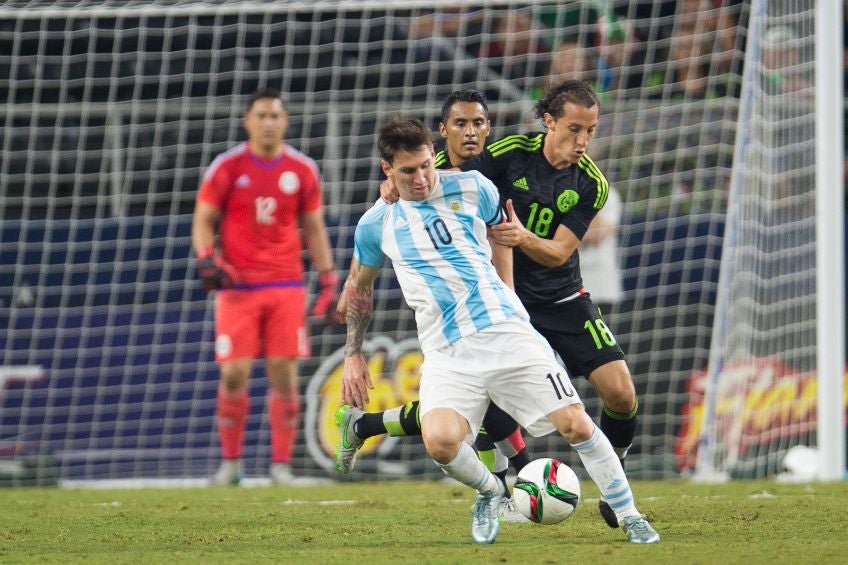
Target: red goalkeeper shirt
x=260 y=201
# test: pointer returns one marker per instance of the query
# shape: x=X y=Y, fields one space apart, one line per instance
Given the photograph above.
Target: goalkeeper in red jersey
x=257 y=196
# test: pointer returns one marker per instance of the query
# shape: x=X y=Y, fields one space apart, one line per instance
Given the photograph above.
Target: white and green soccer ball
x=546 y=491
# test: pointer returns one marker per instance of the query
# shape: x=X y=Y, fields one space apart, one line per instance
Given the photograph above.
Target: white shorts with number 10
x=508 y=362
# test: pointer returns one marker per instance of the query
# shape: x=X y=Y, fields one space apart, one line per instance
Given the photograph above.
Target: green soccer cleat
x=349 y=442
x=638 y=530
x=484 y=518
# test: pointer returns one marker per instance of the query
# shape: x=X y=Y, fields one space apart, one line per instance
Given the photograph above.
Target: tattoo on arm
x=359 y=312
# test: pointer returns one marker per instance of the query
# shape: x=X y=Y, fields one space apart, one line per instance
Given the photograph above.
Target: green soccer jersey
x=442 y=160
x=544 y=198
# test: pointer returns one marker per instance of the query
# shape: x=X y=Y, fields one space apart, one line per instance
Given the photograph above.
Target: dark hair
x=263 y=93
x=465 y=95
x=402 y=134
x=569 y=90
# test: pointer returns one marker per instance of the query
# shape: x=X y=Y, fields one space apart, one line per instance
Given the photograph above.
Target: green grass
x=415 y=522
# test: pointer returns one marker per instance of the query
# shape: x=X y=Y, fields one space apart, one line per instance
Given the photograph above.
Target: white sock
x=604 y=467
x=501 y=462
x=391 y=419
x=505 y=447
x=621 y=451
x=467 y=468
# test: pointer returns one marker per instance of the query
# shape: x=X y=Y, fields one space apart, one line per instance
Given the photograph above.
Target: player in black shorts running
x=552 y=190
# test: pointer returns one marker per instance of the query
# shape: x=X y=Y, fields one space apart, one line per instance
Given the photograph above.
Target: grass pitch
x=415 y=522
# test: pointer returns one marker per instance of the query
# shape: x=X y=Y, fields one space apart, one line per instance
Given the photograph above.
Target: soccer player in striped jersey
x=556 y=190
x=257 y=195
x=464 y=126
x=470 y=324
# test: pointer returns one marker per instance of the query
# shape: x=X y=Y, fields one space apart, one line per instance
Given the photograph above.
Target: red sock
x=232 y=415
x=283 y=414
x=516 y=440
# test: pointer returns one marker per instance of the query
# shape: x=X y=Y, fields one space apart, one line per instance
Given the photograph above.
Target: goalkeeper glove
x=324 y=305
x=213 y=271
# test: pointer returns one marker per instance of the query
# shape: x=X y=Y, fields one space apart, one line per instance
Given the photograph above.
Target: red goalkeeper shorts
x=251 y=322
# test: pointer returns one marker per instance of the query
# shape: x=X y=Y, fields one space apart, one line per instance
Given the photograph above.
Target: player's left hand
x=356 y=380
x=324 y=306
x=510 y=233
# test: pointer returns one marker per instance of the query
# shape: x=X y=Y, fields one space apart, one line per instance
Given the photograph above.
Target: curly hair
x=569 y=90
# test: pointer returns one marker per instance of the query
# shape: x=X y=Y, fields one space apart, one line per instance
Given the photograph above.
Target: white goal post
x=775 y=387
x=830 y=210
x=112 y=110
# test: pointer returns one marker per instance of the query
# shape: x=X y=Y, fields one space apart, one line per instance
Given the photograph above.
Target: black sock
x=410 y=419
x=619 y=428
x=369 y=425
x=483 y=441
x=501 y=475
x=519 y=460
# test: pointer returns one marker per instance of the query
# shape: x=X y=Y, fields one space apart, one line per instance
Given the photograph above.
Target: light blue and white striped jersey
x=441 y=257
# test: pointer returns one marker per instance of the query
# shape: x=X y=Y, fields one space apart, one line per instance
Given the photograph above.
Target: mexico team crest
x=567 y=200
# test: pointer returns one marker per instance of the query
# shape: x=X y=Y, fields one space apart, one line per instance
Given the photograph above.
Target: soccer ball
x=546 y=491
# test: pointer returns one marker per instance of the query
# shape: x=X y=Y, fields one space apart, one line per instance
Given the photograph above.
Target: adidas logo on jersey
x=521 y=183
x=243 y=181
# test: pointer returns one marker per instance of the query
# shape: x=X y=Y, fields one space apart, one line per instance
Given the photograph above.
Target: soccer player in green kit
x=552 y=190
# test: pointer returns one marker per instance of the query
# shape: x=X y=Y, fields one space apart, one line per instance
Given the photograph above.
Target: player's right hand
x=389 y=192
x=213 y=271
x=510 y=233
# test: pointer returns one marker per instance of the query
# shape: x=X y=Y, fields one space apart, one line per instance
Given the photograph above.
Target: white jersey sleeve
x=368 y=237
x=490 y=208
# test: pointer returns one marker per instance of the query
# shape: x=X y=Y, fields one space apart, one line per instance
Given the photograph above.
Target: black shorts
x=576 y=330
x=498 y=424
